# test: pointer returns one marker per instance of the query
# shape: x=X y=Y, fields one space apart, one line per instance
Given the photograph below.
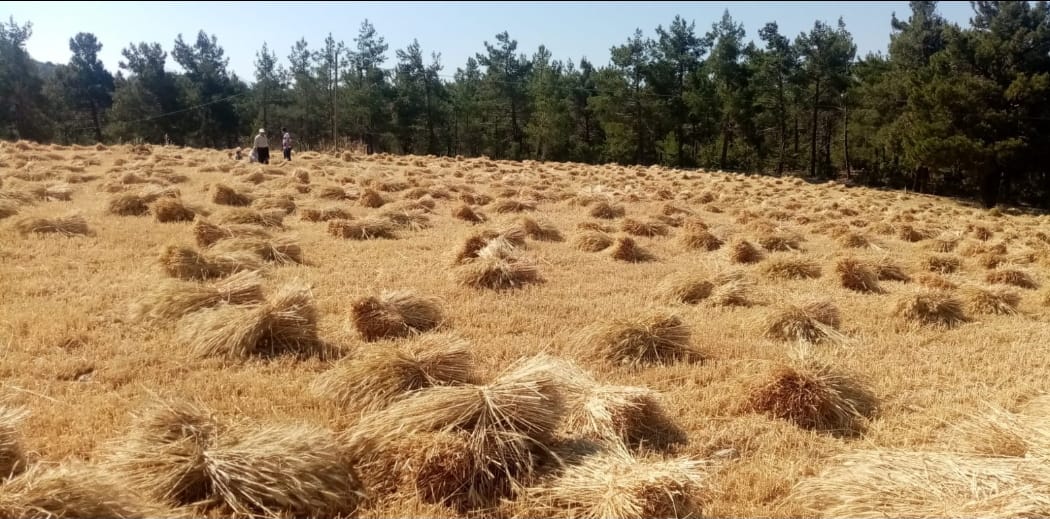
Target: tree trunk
x=826 y=167
x=781 y=116
x=98 y=124
x=813 y=131
x=431 y=141
x=725 y=147
x=845 y=139
x=990 y=181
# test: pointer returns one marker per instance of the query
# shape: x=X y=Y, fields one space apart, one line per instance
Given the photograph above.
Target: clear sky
x=455 y=29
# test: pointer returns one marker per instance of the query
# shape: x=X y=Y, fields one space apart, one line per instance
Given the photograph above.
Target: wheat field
x=618 y=341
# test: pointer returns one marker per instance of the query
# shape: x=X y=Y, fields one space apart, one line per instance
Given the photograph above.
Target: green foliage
x=949 y=110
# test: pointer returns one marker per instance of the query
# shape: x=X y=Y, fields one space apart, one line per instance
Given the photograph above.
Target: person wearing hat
x=262 y=146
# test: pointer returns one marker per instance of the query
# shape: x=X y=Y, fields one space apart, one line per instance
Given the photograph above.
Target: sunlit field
x=185 y=334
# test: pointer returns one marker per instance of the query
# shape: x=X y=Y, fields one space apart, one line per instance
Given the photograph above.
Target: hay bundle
x=302 y=176
x=371 y=198
x=273 y=218
x=174 y=299
x=181 y=455
x=857 y=275
x=616 y=485
x=207 y=233
x=51 y=192
x=413 y=219
x=981 y=232
x=470 y=248
x=941 y=263
x=910 y=234
x=626 y=249
x=651 y=338
x=931 y=308
x=66 y=225
x=324 y=214
x=502 y=427
x=298 y=470
x=980 y=300
x=7 y=209
x=367 y=228
x=466 y=213
x=595 y=226
x=282 y=203
x=648 y=229
x=128 y=204
x=607 y=211
x=70 y=493
x=286 y=323
x=512 y=206
x=226 y=195
x=699 y=239
x=592 y=241
x=813 y=396
x=670 y=209
x=936 y=282
x=884 y=483
x=395 y=314
x=944 y=243
x=615 y=414
x=171 y=210
x=791 y=267
x=541 y=230
x=854 y=240
x=186 y=263
x=811 y=322
x=497 y=265
x=1014 y=277
x=475 y=198
x=998 y=432
x=730 y=289
x=886 y=270
x=279 y=250
x=382 y=376
x=332 y=193
x=742 y=251
x=779 y=242
x=12 y=457
x=686 y=288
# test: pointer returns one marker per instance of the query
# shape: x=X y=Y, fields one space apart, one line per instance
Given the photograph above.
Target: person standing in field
x=262 y=146
x=286 y=144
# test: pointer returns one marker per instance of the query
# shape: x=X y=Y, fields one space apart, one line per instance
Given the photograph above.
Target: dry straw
x=207 y=233
x=182 y=455
x=888 y=483
x=173 y=299
x=616 y=485
x=188 y=264
x=650 y=338
x=393 y=314
x=70 y=225
x=812 y=322
x=813 y=395
x=285 y=323
x=382 y=376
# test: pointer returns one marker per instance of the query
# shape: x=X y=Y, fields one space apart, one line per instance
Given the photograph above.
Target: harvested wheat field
x=396 y=336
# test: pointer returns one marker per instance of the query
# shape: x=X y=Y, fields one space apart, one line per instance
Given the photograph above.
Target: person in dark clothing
x=262 y=145
x=286 y=144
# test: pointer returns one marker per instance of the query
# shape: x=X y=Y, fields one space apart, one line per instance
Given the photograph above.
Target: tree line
x=950 y=110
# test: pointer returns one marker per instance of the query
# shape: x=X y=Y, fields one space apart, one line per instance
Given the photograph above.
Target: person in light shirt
x=262 y=146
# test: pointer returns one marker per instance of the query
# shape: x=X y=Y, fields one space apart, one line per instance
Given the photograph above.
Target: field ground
x=770 y=408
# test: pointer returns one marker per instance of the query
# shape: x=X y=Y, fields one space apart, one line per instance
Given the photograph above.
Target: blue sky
x=455 y=29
